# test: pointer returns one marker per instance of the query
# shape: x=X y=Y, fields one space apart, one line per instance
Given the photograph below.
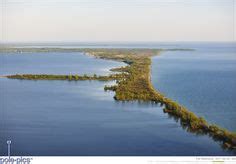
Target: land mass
x=133 y=82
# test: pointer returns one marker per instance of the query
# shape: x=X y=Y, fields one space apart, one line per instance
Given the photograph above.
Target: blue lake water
x=54 y=63
x=79 y=118
x=203 y=80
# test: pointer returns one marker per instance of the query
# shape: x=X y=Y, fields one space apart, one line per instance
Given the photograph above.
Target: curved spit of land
x=133 y=82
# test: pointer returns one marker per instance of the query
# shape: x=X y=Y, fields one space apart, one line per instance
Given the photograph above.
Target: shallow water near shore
x=79 y=118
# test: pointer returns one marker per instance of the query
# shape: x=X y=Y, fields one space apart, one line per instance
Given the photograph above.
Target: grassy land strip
x=66 y=77
x=137 y=86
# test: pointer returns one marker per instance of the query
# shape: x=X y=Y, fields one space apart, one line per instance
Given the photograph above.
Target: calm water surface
x=54 y=63
x=203 y=80
x=79 y=118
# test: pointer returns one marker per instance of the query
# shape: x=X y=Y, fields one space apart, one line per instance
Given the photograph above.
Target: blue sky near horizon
x=117 y=20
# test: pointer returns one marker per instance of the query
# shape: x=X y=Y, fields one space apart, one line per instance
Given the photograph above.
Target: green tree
x=76 y=77
x=70 y=77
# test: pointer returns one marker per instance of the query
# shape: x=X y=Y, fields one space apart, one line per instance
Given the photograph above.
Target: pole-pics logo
x=13 y=160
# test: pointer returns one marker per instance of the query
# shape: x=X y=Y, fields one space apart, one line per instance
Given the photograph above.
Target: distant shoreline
x=47 y=49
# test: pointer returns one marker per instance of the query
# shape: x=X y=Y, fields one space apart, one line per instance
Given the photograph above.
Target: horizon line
x=106 y=42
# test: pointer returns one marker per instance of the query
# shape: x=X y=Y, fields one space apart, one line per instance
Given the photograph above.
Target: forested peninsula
x=133 y=83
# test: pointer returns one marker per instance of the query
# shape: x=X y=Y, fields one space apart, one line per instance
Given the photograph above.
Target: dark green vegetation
x=66 y=77
x=133 y=83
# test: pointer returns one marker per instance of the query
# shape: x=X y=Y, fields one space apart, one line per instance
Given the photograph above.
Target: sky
x=117 y=20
